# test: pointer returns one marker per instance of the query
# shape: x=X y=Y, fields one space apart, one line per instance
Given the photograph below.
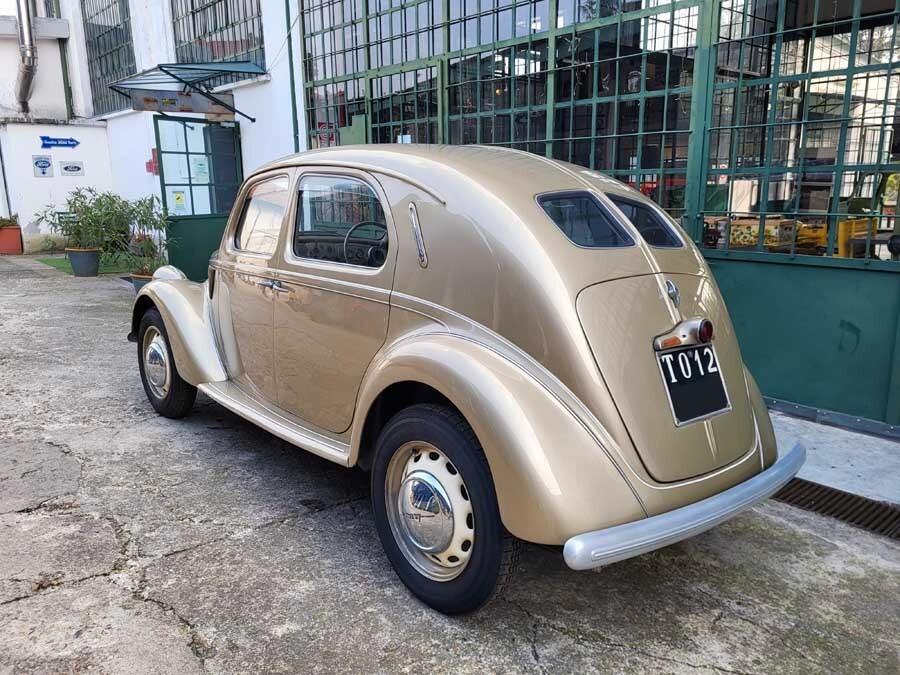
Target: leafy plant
x=12 y=221
x=148 y=249
x=92 y=220
x=133 y=231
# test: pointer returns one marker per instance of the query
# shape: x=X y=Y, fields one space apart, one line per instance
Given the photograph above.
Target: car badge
x=673 y=292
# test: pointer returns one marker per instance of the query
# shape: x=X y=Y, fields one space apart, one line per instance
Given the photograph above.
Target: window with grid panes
x=110 y=52
x=218 y=30
x=805 y=131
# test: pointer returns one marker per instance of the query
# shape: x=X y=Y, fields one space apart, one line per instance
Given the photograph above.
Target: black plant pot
x=85 y=261
x=140 y=280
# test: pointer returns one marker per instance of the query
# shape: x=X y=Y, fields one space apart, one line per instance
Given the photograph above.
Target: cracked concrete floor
x=134 y=544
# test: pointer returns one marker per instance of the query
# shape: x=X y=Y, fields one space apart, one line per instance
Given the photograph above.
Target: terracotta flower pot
x=85 y=261
x=11 y=240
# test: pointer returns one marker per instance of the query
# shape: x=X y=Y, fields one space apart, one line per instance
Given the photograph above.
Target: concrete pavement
x=134 y=544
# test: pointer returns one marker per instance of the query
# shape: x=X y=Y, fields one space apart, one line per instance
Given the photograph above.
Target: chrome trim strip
x=417 y=235
x=340 y=286
x=602 y=547
x=277 y=424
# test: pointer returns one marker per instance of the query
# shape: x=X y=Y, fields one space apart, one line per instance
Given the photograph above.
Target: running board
x=240 y=403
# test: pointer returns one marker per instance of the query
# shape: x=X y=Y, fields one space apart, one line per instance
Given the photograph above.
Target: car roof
x=505 y=169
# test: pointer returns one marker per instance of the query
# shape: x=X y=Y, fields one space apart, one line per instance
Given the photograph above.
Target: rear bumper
x=593 y=549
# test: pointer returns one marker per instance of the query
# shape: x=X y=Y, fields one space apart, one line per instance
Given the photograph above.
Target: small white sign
x=179 y=202
x=404 y=138
x=43 y=166
x=71 y=168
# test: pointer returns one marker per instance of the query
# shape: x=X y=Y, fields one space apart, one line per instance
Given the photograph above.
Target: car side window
x=650 y=224
x=583 y=221
x=340 y=219
x=262 y=216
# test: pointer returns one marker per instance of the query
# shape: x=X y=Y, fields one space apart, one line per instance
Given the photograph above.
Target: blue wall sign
x=51 y=142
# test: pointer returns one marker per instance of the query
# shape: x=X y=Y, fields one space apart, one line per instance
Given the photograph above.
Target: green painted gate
x=200 y=173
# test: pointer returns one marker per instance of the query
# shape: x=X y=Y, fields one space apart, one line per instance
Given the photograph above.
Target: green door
x=199 y=173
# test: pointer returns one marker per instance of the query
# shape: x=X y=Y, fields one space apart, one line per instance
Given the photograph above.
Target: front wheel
x=436 y=510
x=169 y=395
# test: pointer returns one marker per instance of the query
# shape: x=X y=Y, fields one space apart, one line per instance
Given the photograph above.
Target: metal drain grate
x=874 y=516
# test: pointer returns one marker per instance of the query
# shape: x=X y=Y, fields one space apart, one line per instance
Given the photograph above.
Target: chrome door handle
x=265 y=283
x=278 y=287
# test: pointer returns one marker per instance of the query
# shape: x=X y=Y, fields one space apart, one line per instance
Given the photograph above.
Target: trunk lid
x=621 y=318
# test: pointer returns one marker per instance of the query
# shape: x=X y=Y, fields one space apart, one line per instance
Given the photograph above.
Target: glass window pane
x=340 y=220
x=171 y=136
x=648 y=222
x=583 y=221
x=262 y=216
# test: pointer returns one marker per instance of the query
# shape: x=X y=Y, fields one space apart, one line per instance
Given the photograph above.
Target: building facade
x=770 y=128
x=193 y=163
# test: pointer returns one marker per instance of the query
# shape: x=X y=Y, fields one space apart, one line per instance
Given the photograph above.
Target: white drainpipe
x=28 y=53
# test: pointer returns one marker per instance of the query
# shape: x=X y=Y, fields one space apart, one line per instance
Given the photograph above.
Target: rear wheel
x=436 y=510
x=169 y=395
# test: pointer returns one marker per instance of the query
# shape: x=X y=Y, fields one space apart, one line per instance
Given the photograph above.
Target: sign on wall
x=52 y=142
x=71 y=168
x=179 y=202
x=43 y=166
x=155 y=100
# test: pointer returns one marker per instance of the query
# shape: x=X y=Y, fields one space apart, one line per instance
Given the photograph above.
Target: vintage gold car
x=515 y=348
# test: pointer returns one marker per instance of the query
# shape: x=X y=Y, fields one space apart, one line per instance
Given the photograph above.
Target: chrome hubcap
x=429 y=511
x=426 y=512
x=157 y=370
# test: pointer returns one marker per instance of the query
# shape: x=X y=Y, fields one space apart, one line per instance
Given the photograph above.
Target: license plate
x=693 y=382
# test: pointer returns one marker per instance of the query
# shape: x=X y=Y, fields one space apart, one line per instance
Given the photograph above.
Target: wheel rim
x=157 y=368
x=429 y=511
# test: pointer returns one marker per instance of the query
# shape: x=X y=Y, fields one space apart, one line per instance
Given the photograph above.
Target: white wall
x=76 y=50
x=152 y=32
x=131 y=142
x=269 y=101
x=30 y=194
x=48 y=101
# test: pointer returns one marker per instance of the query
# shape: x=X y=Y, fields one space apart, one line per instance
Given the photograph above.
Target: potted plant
x=149 y=244
x=93 y=223
x=10 y=235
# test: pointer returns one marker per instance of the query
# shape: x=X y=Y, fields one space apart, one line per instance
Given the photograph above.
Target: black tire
x=179 y=399
x=494 y=553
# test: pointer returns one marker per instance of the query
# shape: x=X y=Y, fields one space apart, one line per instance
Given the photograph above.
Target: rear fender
x=768 y=444
x=553 y=479
x=184 y=308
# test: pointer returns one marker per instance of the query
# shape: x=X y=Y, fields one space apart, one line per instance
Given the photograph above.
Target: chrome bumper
x=593 y=549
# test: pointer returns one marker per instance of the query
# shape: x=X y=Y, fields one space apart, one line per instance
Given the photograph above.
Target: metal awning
x=188 y=77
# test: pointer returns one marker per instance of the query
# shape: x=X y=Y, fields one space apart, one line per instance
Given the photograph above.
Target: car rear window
x=648 y=222
x=582 y=219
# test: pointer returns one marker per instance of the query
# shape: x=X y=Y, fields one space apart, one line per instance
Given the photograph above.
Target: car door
x=331 y=309
x=244 y=284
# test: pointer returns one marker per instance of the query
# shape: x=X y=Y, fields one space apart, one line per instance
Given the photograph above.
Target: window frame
x=104 y=101
x=658 y=212
x=599 y=201
x=244 y=197
x=292 y=258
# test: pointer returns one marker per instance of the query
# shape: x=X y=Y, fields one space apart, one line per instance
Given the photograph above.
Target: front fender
x=553 y=479
x=182 y=304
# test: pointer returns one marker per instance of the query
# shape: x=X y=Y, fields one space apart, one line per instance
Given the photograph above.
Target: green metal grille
x=218 y=30
x=110 y=52
x=771 y=126
x=805 y=132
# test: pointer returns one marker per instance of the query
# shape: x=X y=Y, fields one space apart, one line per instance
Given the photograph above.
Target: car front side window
x=262 y=215
x=340 y=219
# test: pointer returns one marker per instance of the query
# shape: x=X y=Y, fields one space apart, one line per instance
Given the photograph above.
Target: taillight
x=705 y=331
